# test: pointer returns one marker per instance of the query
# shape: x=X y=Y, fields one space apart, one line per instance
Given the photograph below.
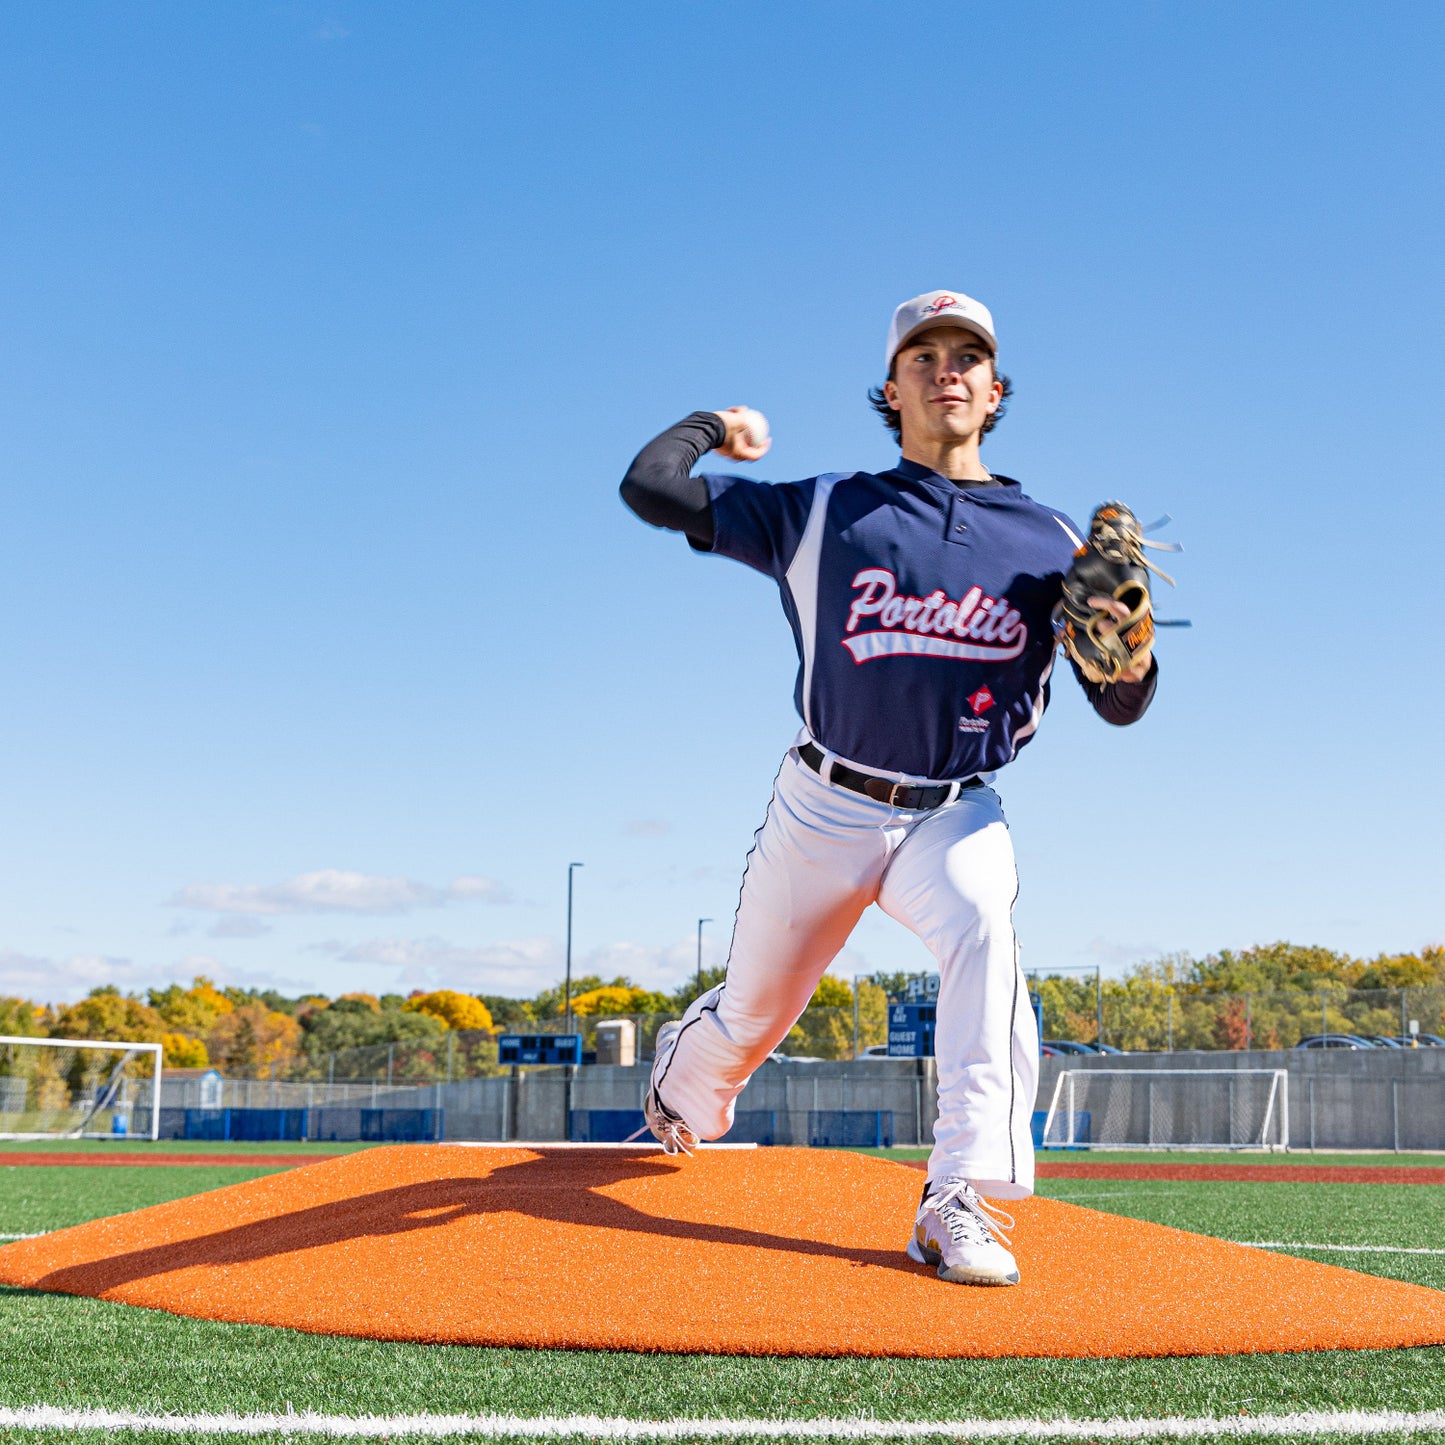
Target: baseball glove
x=1110 y=564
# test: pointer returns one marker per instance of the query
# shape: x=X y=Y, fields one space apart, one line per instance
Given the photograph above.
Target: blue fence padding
x=850 y=1128
x=172 y=1124
x=342 y=1122
x=259 y=1125
x=753 y=1126
x=605 y=1126
x=401 y=1126
x=1083 y=1124
x=249 y=1126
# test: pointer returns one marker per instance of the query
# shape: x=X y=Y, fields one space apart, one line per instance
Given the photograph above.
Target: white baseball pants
x=822 y=856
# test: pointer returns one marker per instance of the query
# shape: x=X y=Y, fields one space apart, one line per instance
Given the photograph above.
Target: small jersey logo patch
x=981 y=701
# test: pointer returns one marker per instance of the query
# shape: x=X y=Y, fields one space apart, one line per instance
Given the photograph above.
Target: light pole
x=567 y=985
x=700 y=923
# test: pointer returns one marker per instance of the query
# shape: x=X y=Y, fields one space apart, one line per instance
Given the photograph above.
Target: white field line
x=599 y=1427
x=20 y=1236
x=1334 y=1248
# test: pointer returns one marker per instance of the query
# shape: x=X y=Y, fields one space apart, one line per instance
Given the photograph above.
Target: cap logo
x=941 y=303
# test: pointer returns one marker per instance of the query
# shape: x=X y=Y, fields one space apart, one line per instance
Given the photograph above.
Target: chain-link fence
x=821 y=1033
x=1137 y=1020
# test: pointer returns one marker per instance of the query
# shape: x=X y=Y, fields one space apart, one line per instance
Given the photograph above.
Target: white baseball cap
x=938 y=308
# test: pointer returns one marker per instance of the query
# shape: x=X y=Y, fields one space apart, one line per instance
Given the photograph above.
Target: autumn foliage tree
x=246 y=1042
x=106 y=1013
x=454 y=1010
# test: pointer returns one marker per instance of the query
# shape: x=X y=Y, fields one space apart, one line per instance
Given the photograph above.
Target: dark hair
x=893 y=420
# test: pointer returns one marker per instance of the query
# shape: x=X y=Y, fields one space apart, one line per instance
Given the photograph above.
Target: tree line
x=1229 y=999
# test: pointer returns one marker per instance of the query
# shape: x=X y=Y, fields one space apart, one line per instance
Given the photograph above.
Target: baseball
x=757 y=425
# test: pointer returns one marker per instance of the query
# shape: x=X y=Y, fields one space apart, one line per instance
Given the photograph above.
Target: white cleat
x=667 y=1128
x=963 y=1235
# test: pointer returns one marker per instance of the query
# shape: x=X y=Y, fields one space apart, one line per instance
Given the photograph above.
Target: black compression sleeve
x=1120 y=703
x=658 y=486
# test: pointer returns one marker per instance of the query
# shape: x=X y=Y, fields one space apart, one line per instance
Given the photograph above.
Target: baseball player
x=921 y=600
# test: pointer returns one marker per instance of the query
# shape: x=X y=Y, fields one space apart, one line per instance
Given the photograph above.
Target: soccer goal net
x=78 y=1089
x=1169 y=1109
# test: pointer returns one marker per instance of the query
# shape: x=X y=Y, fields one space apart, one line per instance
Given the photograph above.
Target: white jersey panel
x=802 y=583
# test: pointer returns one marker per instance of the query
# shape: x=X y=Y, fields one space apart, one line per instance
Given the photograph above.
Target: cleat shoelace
x=969 y=1218
x=672 y=1137
x=672 y=1140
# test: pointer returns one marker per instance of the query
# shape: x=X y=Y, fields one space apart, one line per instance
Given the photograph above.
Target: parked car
x=776 y=1058
x=1427 y=1041
x=1050 y=1051
x=1071 y=1046
x=1334 y=1041
x=1382 y=1041
x=1108 y=1049
x=875 y=1051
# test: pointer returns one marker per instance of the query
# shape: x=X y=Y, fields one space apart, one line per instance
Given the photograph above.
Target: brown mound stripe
x=255 y=1161
x=772 y=1251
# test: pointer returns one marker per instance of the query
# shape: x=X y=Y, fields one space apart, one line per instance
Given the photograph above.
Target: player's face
x=944 y=386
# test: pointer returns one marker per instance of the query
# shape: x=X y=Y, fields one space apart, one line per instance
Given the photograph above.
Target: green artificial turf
x=80 y=1352
x=66 y=1351
x=35 y=1199
x=1408 y=1215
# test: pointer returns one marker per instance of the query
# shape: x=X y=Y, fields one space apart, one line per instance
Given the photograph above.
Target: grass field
x=84 y=1353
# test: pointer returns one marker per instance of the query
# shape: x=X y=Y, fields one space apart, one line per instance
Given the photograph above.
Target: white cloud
x=647 y=828
x=472 y=887
x=56 y=980
x=522 y=966
x=1115 y=957
x=335 y=890
x=238 y=925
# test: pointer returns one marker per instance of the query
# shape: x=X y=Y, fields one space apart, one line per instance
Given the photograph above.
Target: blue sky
x=327 y=330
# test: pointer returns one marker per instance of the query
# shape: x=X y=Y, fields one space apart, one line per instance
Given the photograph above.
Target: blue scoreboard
x=539 y=1049
x=910 y=1030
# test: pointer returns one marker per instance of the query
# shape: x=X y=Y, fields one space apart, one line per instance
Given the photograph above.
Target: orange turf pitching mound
x=768 y=1251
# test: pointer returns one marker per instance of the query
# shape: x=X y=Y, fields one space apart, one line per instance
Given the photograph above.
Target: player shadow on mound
x=559 y=1188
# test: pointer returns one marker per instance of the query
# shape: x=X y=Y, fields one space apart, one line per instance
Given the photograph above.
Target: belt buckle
x=895 y=790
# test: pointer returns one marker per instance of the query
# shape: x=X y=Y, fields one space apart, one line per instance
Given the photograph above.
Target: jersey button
x=959 y=527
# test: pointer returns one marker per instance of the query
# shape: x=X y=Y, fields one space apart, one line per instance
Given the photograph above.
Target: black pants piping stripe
x=727 y=964
x=1013 y=1074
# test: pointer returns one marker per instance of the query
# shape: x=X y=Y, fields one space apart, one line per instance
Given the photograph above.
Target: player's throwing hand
x=748 y=435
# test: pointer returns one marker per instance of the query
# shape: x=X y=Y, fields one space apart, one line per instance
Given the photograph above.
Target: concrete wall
x=1338 y=1099
x=534 y=1103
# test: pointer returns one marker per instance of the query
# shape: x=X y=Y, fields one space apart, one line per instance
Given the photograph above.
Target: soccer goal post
x=1168 y=1109
x=79 y=1088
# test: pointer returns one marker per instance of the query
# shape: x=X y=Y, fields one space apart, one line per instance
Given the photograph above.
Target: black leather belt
x=885 y=790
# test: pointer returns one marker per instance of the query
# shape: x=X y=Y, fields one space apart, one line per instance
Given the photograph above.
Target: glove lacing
x=1122 y=540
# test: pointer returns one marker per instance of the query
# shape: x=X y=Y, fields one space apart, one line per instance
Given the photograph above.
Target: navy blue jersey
x=922 y=610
